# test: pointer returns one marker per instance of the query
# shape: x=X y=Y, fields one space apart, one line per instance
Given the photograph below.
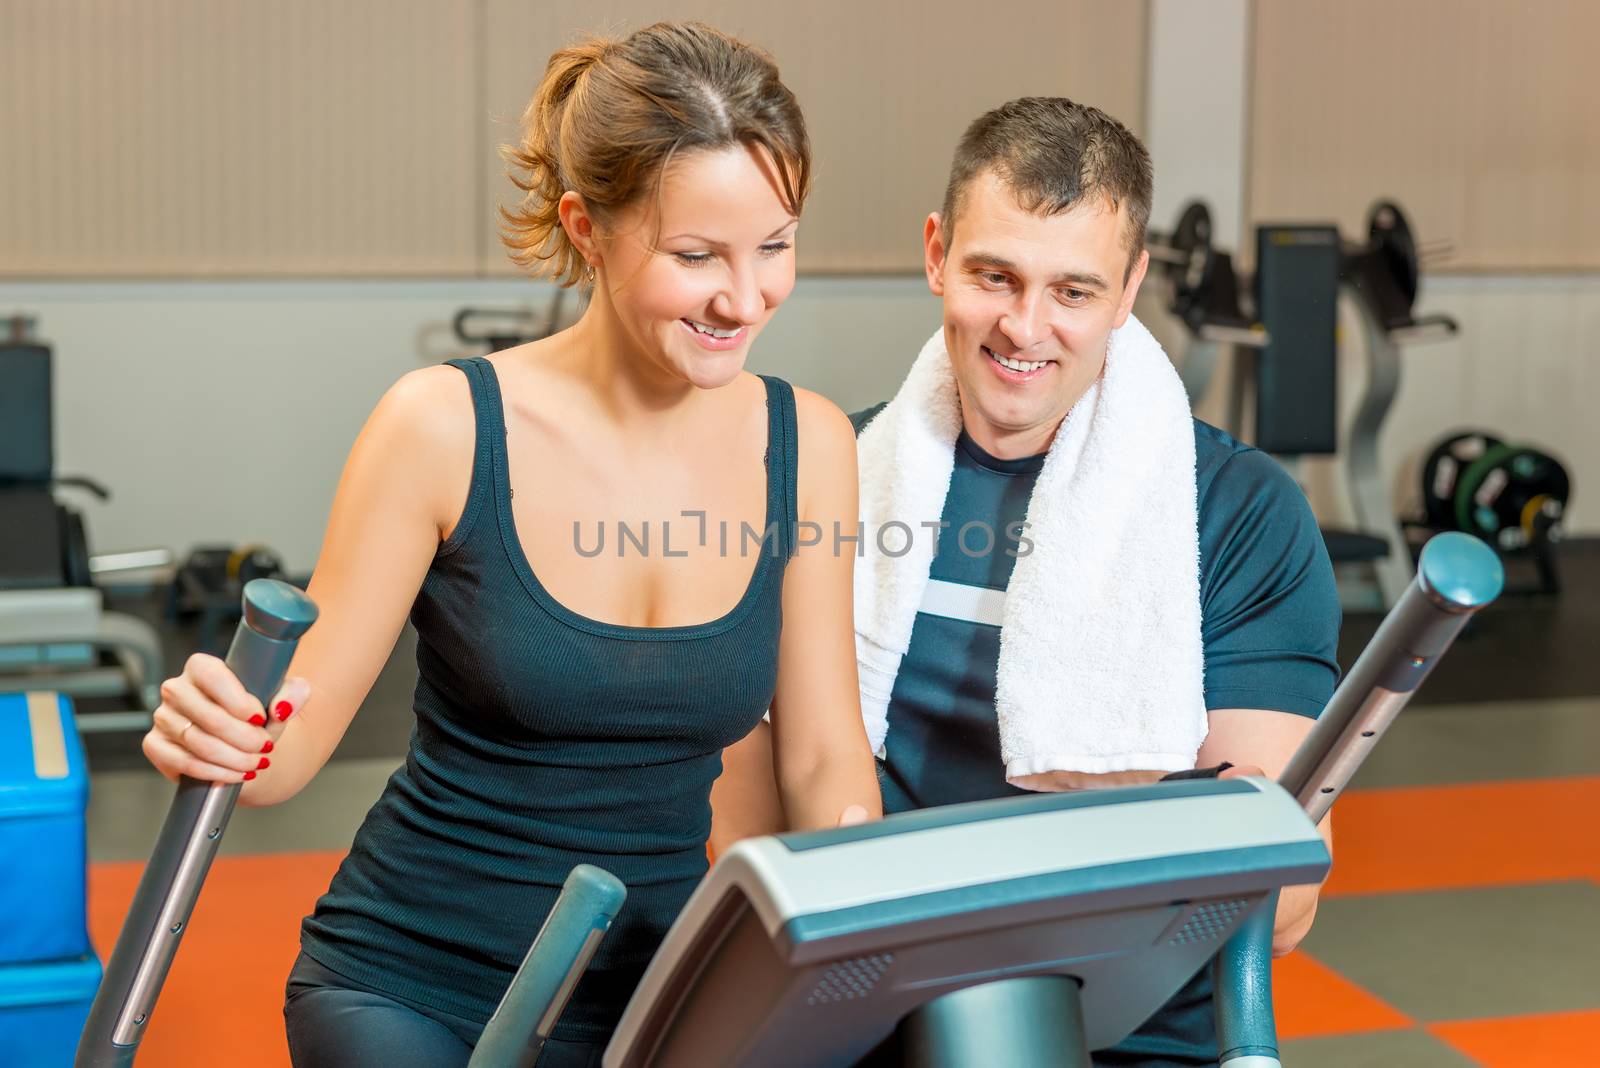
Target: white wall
x=223 y=411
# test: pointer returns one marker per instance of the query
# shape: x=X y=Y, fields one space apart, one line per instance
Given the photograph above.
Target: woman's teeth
x=712 y=331
x=1015 y=365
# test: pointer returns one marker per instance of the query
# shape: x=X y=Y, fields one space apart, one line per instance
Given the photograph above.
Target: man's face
x=1029 y=303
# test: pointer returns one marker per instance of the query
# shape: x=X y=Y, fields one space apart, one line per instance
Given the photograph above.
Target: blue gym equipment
x=48 y=971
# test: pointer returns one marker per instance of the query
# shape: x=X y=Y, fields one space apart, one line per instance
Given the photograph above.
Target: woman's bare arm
x=745 y=801
x=822 y=764
x=404 y=484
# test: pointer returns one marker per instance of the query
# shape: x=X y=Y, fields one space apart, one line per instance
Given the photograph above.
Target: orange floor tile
x=223 y=1000
x=1482 y=834
x=1554 y=1040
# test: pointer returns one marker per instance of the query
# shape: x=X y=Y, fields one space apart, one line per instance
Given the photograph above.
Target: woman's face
x=694 y=275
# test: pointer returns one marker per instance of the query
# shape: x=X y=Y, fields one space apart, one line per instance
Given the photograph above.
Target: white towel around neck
x=1101 y=666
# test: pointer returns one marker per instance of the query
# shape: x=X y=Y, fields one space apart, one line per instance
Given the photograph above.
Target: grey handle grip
x=1246 y=1031
x=275 y=616
x=527 y=1013
x=1457 y=575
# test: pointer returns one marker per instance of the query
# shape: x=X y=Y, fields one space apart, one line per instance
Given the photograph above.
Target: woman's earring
x=590 y=274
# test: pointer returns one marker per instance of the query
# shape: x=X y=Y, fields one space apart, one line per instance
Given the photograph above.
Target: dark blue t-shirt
x=1269 y=628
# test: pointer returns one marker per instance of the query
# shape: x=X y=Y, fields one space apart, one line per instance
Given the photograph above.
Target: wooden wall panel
x=887 y=88
x=1482 y=117
x=199 y=138
x=238 y=138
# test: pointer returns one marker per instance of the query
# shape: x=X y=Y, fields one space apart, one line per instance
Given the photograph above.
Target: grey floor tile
x=126 y=809
x=1437 y=744
x=1379 y=1049
x=1464 y=954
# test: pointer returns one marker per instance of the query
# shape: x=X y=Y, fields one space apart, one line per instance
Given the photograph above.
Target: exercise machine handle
x=275 y=616
x=1251 y=337
x=1457 y=575
x=1428 y=328
x=1247 y=1035
x=80 y=482
x=555 y=962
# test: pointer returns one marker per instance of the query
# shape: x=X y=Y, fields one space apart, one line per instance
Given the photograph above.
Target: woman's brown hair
x=609 y=115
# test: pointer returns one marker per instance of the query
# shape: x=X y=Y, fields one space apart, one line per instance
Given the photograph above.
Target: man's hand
x=1297 y=905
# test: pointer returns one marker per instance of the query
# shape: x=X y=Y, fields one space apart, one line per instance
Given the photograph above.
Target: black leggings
x=334 y=1023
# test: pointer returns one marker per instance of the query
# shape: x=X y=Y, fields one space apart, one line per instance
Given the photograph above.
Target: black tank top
x=546 y=739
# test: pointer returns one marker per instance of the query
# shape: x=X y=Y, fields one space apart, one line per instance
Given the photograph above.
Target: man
x=1037 y=257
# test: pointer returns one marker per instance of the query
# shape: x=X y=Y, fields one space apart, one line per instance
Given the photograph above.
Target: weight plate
x=1501 y=495
x=1390 y=233
x=1441 y=472
x=1192 y=238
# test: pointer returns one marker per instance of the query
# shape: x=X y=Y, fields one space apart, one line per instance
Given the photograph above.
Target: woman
x=572 y=704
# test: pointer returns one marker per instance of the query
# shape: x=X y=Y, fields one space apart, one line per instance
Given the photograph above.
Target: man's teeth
x=1015 y=365
x=713 y=331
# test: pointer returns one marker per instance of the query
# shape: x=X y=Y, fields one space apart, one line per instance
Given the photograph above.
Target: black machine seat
x=32 y=535
x=1353 y=547
x=42 y=542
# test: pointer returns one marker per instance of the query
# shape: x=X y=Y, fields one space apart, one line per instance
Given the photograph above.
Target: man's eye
x=1075 y=296
x=995 y=278
x=693 y=259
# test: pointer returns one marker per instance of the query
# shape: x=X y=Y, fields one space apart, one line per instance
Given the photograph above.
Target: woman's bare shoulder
x=425 y=431
x=824 y=429
x=827 y=453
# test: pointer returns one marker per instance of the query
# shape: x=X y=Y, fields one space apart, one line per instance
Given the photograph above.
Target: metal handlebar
x=275 y=616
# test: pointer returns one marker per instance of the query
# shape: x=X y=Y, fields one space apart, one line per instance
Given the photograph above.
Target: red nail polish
x=249 y=775
x=268 y=747
x=264 y=763
x=283 y=709
x=258 y=720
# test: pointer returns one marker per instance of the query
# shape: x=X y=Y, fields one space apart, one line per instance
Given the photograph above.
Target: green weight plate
x=1528 y=482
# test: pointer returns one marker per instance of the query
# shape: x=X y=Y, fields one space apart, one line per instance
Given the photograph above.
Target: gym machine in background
x=55 y=633
x=503 y=328
x=1286 y=352
x=1203 y=293
x=206 y=588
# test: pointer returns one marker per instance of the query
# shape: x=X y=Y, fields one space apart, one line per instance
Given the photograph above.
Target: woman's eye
x=774 y=247
x=693 y=259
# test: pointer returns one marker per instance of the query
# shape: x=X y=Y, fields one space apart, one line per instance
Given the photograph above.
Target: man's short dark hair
x=1052 y=153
